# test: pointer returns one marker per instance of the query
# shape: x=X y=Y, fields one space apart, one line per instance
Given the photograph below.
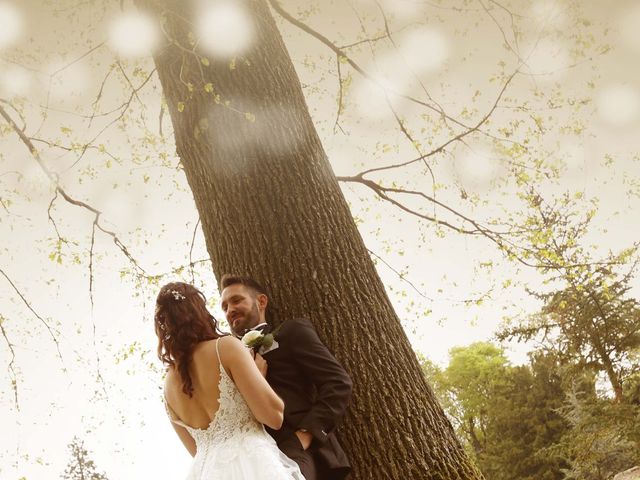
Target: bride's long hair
x=181 y=322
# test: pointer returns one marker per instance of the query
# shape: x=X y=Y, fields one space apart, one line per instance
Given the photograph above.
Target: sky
x=104 y=384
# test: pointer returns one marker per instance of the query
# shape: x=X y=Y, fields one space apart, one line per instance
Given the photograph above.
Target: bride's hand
x=261 y=363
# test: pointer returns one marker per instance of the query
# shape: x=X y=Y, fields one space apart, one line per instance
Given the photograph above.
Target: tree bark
x=271 y=208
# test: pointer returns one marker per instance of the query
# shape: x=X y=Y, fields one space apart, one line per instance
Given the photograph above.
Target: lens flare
x=618 y=105
x=133 y=34
x=477 y=168
x=549 y=14
x=224 y=29
x=548 y=59
x=11 y=24
x=424 y=50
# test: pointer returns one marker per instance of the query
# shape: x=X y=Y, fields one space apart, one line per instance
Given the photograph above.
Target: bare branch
x=458 y=137
x=11 y=366
x=51 y=331
x=53 y=178
x=99 y=96
x=340 y=96
x=400 y=275
x=342 y=53
x=193 y=241
x=64 y=67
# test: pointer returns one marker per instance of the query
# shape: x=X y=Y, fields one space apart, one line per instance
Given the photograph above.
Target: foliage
x=505 y=415
x=603 y=439
x=589 y=319
x=80 y=466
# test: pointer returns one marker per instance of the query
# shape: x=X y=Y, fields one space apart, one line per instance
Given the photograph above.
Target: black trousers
x=292 y=448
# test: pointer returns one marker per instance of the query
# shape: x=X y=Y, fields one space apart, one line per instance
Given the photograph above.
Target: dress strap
x=218 y=352
x=221 y=369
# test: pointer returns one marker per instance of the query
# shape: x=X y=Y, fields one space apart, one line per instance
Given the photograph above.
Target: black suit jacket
x=315 y=389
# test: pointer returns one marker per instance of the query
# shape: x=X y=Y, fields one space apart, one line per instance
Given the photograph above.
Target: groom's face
x=240 y=305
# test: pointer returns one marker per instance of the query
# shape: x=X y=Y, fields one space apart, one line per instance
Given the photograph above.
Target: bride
x=216 y=394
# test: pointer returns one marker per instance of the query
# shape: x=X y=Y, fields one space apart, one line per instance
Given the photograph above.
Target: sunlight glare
x=370 y=97
x=548 y=60
x=133 y=34
x=224 y=29
x=549 y=14
x=11 y=24
x=618 y=105
x=477 y=168
x=401 y=9
x=424 y=50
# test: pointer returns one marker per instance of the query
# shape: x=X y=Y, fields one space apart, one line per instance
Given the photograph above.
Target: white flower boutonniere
x=258 y=342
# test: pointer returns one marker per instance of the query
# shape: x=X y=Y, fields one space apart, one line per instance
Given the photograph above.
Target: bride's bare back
x=199 y=410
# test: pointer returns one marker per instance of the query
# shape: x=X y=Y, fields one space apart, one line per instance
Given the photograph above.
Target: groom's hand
x=305 y=438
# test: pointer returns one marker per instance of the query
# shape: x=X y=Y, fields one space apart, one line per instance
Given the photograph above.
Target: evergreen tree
x=507 y=416
x=81 y=467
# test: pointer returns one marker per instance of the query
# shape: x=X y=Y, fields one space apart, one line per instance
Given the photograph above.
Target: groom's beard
x=248 y=321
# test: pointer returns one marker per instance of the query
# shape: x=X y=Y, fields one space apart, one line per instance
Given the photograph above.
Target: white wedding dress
x=235 y=446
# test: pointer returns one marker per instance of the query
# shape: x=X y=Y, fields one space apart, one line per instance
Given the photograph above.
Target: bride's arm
x=263 y=402
x=187 y=440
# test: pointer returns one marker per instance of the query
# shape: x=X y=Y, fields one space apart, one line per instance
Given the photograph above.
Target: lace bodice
x=232 y=419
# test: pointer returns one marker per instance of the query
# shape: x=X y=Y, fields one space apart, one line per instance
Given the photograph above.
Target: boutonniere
x=260 y=342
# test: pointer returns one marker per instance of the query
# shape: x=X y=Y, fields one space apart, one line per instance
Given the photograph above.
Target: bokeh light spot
x=11 y=24
x=618 y=105
x=549 y=14
x=477 y=168
x=224 y=29
x=424 y=50
x=133 y=34
x=548 y=59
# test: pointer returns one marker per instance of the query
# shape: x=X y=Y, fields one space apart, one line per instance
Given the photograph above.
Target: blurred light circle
x=548 y=59
x=549 y=14
x=11 y=23
x=618 y=105
x=133 y=34
x=424 y=50
x=477 y=168
x=224 y=29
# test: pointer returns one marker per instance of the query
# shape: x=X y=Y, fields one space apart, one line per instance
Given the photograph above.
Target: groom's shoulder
x=291 y=326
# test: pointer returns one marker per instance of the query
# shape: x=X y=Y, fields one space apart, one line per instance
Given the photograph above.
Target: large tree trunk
x=271 y=207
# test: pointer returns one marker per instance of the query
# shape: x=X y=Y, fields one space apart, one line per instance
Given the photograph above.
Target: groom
x=313 y=385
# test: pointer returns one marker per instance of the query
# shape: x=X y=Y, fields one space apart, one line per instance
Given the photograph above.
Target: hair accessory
x=177 y=295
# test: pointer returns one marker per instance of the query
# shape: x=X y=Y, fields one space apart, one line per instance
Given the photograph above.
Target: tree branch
x=42 y=320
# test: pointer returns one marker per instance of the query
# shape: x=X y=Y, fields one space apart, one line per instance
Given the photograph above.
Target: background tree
x=81 y=466
x=590 y=319
x=506 y=415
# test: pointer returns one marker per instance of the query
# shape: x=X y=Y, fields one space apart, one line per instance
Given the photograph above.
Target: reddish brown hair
x=181 y=322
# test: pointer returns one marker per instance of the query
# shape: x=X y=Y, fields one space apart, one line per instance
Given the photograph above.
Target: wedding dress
x=235 y=446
